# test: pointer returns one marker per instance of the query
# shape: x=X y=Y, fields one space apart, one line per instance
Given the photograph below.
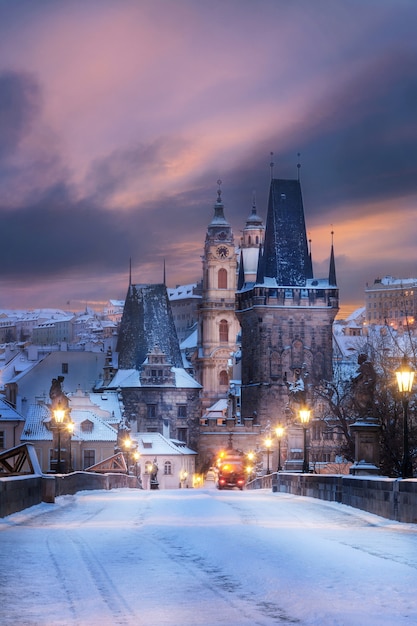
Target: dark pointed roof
x=286 y=257
x=332 y=269
x=147 y=321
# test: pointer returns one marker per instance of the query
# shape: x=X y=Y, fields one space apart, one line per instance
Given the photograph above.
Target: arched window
x=249 y=240
x=167 y=468
x=224 y=378
x=257 y=239
x=223 y=331
x=222 y=278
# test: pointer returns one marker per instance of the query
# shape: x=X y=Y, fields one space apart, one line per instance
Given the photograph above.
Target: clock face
x=222 y=252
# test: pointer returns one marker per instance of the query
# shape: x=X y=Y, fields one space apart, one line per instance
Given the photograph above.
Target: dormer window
x=87 y=426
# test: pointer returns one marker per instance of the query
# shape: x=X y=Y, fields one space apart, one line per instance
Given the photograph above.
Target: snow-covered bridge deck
x=205 y=558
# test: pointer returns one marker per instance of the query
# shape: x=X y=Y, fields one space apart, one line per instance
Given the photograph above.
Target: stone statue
x=56 y=394
x=363 y=387
x=296 y=388
x=154 y=472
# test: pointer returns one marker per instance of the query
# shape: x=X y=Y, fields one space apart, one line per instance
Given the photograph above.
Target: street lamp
x=136 y=456
x=405 y=379
x=183 y=478
x=127 y=444
x=279 y=431
x=59 y=416
x=268 y=444
x=70 y=429
x=305 y=414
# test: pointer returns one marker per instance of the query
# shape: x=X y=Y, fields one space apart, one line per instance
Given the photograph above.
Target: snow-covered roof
x=154 y=444
x=39 y=416
x=101 y=429
x=182 y=292
x=190 y=341
x=35 y=428
x=8 y=413
x=391 y=280
x=130 y=378
x=105 y=404
x=218 y=409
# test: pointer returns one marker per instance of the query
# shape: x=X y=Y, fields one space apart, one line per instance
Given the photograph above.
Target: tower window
x=182 y=410
x=222 y=279
x=223 y=331
x=151 y=410
x=223 y=378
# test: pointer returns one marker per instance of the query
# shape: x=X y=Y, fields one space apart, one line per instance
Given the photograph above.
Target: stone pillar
x=366 y=431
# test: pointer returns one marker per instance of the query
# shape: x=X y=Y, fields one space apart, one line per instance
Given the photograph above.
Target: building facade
x=391 y=301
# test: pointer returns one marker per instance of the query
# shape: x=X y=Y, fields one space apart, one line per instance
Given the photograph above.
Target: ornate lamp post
x=268 y=444
x=183 y=478
x=59 y=416
x=70 y=429
x=305 y=414
x=136 y=457
x=279 y=431
x=127 y=444
x=405 y=379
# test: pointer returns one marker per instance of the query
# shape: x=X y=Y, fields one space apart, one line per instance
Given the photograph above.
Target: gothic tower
x=217 y=324
x=286 y=315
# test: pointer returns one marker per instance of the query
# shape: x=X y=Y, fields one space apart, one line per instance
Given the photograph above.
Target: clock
x=222 y=252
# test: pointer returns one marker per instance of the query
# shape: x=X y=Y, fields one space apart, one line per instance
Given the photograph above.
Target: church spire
x=332 y=266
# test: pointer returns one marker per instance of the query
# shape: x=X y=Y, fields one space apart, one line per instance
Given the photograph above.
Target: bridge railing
x=23 y=485
x=392 y=498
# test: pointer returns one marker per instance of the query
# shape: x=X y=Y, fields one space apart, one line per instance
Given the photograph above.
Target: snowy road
x=204 y=558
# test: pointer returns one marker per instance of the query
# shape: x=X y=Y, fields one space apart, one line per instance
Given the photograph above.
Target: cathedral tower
x=217 y=324
x=286 y=315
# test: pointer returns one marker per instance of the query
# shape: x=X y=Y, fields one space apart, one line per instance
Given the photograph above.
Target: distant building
x=391 y=301
x=185 y=300
x=54 y=331
x=175 y=461
x=113 y=310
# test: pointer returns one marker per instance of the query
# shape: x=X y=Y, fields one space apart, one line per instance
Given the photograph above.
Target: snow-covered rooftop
x=154 y=444
x=182 y=292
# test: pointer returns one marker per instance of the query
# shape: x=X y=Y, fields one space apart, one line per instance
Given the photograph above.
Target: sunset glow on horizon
x=117 y=120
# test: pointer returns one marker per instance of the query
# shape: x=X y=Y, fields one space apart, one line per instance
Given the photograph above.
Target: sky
x=205 y=558
x=118 y=118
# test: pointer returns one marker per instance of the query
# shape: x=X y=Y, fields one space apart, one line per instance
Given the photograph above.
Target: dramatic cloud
x=19 y=105
x=117 y=119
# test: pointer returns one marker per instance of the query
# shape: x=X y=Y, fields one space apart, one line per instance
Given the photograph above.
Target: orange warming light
x=305 y=416
x=405 y=377
x=59 y=415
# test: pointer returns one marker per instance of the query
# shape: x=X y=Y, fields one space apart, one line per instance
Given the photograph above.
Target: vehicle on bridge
x=231 y=470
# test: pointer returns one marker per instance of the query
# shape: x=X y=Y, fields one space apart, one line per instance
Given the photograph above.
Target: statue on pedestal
x=363 y=388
